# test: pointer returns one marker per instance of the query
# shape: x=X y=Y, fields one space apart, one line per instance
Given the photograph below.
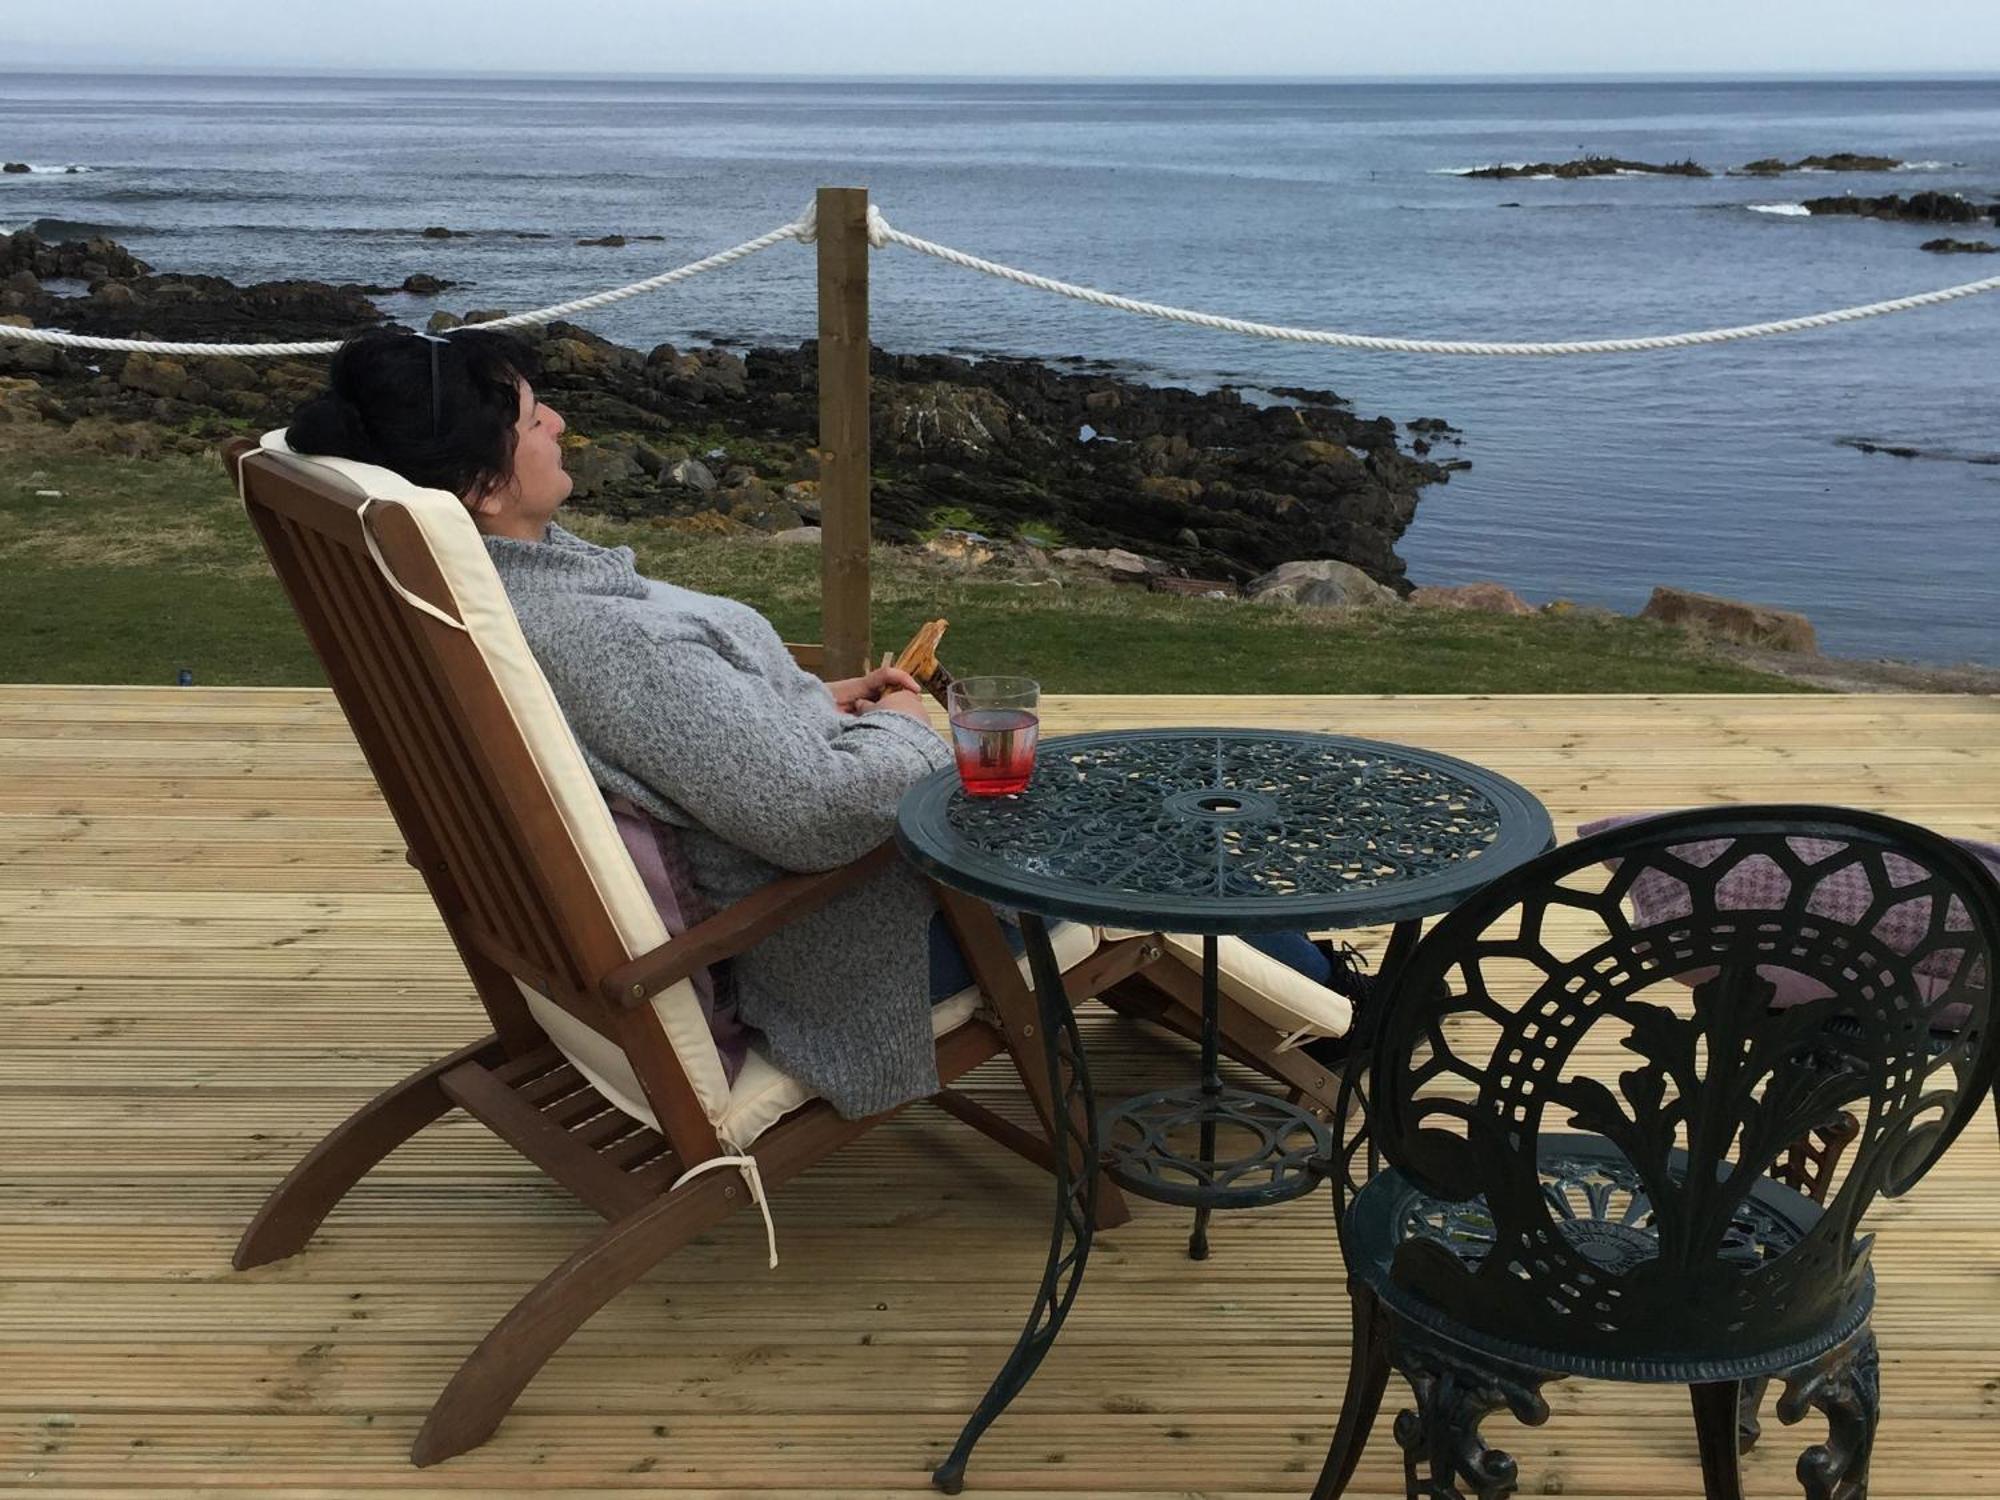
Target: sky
x=1090 y=38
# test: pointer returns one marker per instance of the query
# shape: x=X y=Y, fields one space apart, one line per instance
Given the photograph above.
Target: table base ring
x=1140 y=1155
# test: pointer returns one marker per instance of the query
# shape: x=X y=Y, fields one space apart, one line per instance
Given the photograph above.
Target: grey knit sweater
x=691 y=706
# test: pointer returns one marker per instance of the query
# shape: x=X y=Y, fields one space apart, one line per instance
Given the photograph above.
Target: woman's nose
x=561 y=425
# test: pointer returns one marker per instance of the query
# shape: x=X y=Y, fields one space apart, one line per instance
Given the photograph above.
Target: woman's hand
x=853 y=695
x=898 y=701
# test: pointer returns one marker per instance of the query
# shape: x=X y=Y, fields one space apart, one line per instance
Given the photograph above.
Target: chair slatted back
x=448 y=752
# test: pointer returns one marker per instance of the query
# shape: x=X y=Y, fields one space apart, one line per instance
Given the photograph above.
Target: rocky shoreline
x=1209 y=485
x=1043 y=475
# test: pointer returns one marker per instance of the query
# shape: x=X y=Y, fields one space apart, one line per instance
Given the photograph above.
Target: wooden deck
x=210 y=950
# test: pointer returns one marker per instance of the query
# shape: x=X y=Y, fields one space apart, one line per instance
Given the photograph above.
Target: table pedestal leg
x=1211 y=1080
x=1076 y=1199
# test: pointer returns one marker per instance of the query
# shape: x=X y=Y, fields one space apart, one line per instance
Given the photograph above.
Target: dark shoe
x=1350 y=976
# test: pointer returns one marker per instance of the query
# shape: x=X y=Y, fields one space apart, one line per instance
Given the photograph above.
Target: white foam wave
x=1468 y=171
x=1928 y=166
x=64 y=169
x=1782 y=210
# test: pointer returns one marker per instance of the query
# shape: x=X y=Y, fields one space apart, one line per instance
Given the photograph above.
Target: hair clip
x=437 y=390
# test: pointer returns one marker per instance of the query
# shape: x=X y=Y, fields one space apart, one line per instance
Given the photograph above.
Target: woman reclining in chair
x=690 y=707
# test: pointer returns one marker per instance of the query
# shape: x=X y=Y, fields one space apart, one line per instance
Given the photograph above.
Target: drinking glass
x=994 y=726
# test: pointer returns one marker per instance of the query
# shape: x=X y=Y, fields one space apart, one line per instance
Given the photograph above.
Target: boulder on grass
x=1753 y=624
x=1480 y=598
x=1114 y=563
x=1321 y=582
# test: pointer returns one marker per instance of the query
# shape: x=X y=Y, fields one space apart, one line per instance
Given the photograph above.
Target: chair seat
x=1601 y=1209
x=763 y=1093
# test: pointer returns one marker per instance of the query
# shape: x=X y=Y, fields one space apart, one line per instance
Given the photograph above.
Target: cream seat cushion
x=763 y=1093
x=1269 y=990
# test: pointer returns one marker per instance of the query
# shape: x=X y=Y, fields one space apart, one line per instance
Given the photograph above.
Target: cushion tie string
x=1292 y=1039
x=747 y=1165
x=414 y=600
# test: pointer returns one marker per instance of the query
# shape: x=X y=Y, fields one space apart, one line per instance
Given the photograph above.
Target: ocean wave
x=1782 y=210
x=65 y=169
x=1928 y=166
x=1468 y=171
x=144 y=194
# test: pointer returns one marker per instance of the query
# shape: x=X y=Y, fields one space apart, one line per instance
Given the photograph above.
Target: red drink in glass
x=994 y=726
x=995 y=749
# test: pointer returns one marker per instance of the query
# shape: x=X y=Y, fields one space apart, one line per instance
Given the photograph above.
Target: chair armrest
x=737 y=927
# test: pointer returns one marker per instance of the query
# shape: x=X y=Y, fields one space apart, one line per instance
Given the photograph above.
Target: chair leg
x=1716 y=1408
x=493 y=1376
x=1169 y=995
x=324 y=1175
x=1456 y=1390
x=1367 y=1378
x=1845 y=1386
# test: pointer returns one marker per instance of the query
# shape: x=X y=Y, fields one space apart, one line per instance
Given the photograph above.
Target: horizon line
x=345 y=70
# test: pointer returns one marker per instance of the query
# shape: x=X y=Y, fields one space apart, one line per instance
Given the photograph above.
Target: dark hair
x=377 y=407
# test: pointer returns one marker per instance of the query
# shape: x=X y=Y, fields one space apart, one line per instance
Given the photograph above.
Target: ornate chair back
x=1505 y=1022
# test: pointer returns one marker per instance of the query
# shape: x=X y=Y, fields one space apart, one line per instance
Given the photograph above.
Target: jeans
x=950 y=973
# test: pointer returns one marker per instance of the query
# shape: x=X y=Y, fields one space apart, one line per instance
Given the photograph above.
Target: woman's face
x=537 y=486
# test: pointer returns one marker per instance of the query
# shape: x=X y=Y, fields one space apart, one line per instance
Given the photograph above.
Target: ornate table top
x=1227 y=830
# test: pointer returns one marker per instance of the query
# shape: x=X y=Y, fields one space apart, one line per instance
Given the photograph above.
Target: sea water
x=1733 y=469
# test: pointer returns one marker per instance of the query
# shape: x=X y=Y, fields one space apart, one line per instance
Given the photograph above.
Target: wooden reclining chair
x=600 y=1067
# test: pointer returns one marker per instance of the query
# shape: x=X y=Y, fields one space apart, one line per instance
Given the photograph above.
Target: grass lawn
x=140 y=567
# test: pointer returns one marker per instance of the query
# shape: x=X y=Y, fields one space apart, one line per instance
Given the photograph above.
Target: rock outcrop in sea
x=1590 y=166
x=1839 y=161
x=1212 y=484
x=1918 y=208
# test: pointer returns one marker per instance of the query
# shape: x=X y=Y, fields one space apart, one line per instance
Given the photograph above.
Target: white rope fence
x=880 y=233
x=801 y=229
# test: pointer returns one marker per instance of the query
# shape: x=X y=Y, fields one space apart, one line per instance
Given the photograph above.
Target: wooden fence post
x=843 y=430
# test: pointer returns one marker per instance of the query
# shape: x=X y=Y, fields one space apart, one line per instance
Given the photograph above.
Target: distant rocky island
x=1207 y=485
x=1618 y=166
x=1839 y=161
x=1588 y=166
x=1928 y=207
x=1918 y=208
